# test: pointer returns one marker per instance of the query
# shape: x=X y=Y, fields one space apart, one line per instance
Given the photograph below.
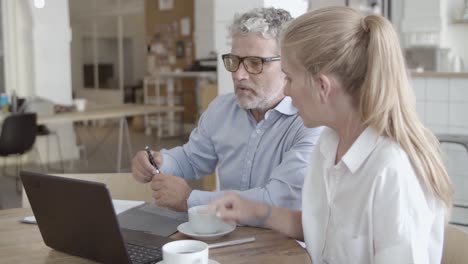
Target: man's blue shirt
x=263 y=161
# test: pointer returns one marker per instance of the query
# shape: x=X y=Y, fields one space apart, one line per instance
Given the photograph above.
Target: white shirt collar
x=359 y=151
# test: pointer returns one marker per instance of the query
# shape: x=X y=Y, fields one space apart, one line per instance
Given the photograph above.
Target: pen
x=232 y=242
x=151 y=159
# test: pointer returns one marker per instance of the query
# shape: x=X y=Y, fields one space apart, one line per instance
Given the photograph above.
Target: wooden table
x=22 y=244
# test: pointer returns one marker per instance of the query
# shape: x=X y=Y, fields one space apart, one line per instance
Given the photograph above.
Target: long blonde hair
x=364 y=53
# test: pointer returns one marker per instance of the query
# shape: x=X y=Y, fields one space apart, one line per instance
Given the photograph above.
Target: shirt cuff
x=198 y=197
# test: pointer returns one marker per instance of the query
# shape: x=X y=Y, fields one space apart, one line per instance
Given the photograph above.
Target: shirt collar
x=286 y=107
x=359 y=151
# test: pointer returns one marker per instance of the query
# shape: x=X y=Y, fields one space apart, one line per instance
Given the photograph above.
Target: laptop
x=77 y=217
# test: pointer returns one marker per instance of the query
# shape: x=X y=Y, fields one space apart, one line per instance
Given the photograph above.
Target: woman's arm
x=233 y=208
x=286 y=221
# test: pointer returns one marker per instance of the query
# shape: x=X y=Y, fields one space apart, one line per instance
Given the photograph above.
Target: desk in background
x=111 y=112
x=22 y=244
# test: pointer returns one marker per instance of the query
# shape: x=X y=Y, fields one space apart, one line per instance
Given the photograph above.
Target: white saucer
x=185 y=229
x=210 y=261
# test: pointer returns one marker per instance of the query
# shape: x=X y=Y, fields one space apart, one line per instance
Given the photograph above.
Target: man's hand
x=170 y=191
x=142 y=170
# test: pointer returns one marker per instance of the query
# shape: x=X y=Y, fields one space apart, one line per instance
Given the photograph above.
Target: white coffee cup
x=203 y=220
x=185 y=252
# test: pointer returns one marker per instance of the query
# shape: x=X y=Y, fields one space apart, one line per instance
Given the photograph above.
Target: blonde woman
x=378 y=191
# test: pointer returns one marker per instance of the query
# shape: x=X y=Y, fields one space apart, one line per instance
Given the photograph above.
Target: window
x=105 y=77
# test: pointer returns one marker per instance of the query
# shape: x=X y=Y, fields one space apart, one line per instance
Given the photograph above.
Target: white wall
x=18 y=47
x=314 y=4
x=51 y=40
x=204 y=35
x=37 y=56
x=295 y=7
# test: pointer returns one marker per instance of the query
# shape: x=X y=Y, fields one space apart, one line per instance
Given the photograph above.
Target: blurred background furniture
x=17 y=137
x=461 y=140
x=454 y=139
x=120 y=112
x=161 y=89
x=44 y=131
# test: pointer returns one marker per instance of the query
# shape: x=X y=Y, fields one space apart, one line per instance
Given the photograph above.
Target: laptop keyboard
x=143 y=254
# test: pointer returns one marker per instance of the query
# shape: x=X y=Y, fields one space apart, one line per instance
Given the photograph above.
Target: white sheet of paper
x=123 y=205
x=119 y=207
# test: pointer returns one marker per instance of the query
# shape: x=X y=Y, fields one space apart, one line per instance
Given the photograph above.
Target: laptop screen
x=77 y=217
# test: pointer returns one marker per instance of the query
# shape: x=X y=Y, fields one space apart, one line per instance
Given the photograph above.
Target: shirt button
x=258 y=131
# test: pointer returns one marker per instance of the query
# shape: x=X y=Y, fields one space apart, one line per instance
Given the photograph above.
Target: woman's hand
x=232 y=208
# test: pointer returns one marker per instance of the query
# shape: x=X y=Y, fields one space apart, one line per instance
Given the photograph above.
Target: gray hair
x=267 y=21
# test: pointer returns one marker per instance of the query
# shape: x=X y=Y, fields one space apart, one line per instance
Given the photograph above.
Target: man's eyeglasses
x=252 y=64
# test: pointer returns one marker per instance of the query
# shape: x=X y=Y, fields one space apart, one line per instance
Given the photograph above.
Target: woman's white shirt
x=370 y=207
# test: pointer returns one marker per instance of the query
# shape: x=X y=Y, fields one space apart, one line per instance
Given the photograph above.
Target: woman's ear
x=325 y=88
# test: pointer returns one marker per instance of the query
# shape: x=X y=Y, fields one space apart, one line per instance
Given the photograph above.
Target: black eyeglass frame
x=241 y=60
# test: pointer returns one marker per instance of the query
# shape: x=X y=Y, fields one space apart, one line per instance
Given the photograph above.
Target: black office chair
x=17 y=137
